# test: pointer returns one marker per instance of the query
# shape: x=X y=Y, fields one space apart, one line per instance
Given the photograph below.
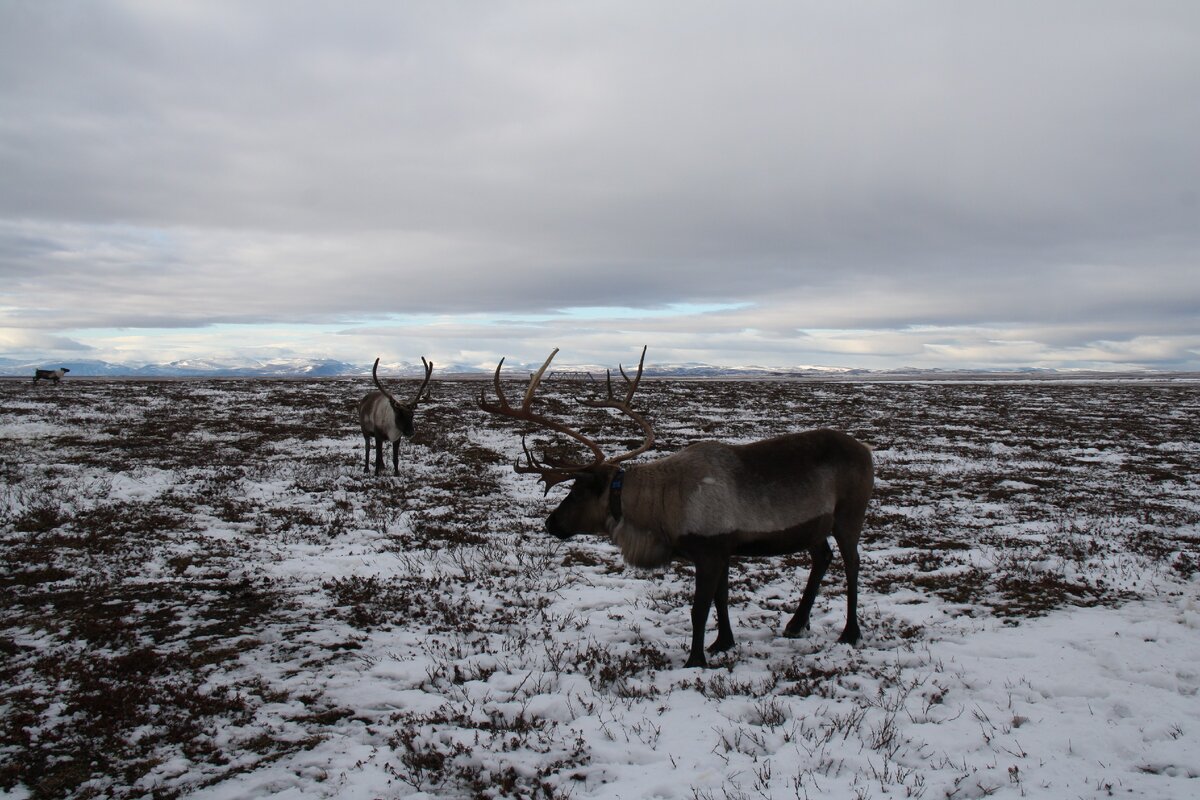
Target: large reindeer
x=710 y=502
x=384 y=417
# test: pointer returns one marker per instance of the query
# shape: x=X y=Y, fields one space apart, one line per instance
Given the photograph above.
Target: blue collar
x=614 y=494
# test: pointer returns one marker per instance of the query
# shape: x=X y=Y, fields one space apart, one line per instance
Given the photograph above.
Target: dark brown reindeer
x=384 y=417
x=710 y=502
x=49 y=374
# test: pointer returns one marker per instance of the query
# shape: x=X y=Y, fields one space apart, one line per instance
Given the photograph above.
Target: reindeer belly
x=778 y=543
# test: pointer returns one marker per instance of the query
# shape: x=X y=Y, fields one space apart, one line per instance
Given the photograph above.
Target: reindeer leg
x=851 y=633
x=848 y=546
x=396 y=457
x=368 y=466
x=822 y=556
x=378 y=455
x=724 y=630
x=709 y=570
x=847 y=528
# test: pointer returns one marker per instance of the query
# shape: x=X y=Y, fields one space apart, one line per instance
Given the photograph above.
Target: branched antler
x=624 y=407
x=553 y=471
x=417 y=398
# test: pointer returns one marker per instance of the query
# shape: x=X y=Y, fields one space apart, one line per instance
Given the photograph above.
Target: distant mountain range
x=201 y=368
x=332 y=368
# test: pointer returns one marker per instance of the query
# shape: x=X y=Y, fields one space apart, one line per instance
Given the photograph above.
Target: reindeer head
x=586 y=507
x=404 y=412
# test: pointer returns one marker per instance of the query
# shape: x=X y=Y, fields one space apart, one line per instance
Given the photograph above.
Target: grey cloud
x=949 y=121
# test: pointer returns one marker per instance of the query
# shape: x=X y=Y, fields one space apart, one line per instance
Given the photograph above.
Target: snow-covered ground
x=206 y=597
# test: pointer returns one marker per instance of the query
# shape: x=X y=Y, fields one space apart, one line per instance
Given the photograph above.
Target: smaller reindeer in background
x=384 y=417
x=49 y=374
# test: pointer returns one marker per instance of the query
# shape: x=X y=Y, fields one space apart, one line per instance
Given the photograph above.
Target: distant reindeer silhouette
x=49 y=374
x=382 y=417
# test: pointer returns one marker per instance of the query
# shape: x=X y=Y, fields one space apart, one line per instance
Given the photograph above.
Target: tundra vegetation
x=219 y=603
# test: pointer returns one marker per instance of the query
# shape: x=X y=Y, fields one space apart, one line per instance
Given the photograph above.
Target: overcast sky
x=872 y=184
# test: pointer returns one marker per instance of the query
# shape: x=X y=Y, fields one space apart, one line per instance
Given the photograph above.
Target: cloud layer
x=927 y=184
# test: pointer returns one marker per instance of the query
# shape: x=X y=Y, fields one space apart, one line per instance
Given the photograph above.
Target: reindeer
x=710 y=502
x=384 y=417
x=49 y=374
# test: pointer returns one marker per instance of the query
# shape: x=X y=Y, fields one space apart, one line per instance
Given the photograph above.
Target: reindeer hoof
x=696 y=661
x=794 y=631
x=720 y=645
x=849 y=637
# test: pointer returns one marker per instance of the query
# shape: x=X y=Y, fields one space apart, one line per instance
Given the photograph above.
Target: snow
x=1068 y=705
x=541 y=664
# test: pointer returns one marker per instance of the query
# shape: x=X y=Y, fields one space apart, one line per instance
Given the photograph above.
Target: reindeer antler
x=378 y=385
x=428 y=372
x=624 y=407
x=555 y=471
x=417 y=399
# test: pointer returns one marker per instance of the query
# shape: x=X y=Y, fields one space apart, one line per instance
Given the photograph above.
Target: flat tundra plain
x=205 y=596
